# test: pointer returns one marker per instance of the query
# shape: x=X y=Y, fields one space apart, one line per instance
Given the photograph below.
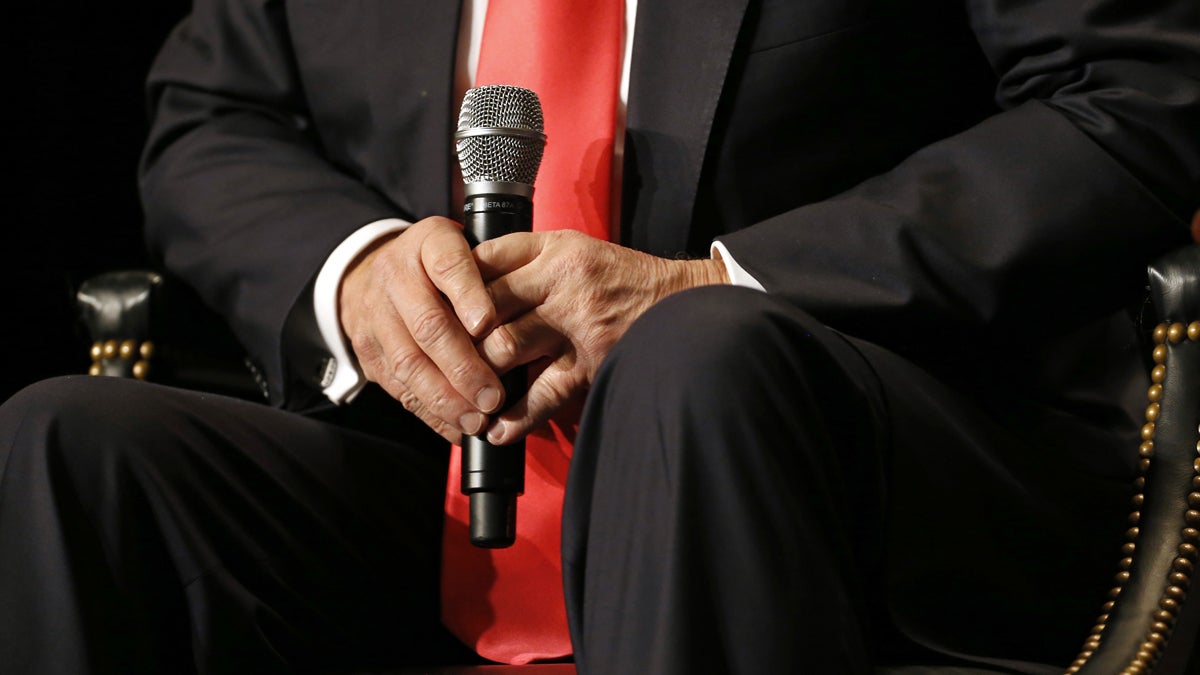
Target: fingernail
x=475 y=317
x=488 y=399
x=472 y=423
x=496 y=435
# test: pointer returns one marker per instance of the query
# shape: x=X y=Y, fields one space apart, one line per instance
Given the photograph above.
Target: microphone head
x=500 y=135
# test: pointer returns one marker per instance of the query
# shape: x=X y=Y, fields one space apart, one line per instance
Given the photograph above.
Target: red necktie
x=508 y=603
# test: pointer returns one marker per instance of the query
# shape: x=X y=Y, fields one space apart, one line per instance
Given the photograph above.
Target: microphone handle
x=493 y=475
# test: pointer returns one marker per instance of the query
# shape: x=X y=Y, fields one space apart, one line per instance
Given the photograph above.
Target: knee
x=710 y=335
x=701 y=362
x=79 y=423
x=723 y=359
x=80 y=407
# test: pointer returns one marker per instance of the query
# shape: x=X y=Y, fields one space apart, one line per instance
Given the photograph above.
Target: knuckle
x=365 y=347
x=438 y=402
x=410 y=401
x=505 y=344
x=462 y=372
x=413 y=404
x=569 y=237
x=367 y=350
x=430 y=325
x=579 y=261
x=554 y=390
x=446 y=264
x=407 y=364
x=422 y=228
x=425 y=403
x=383 y=267
x=440 y=426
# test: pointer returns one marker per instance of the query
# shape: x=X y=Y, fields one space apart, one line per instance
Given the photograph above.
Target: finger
x=520 y=341
x=499 y=256
x=437 y=353
x=521 y=290
x=554 y=388
x=374 y=361
x=440 y=426
x=420 y=386
x=436 y=329
x=448 y=263
x=378 y=300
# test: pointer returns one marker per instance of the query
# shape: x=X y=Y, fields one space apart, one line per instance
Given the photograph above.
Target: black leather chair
x=1149 y=621
x=142 y=326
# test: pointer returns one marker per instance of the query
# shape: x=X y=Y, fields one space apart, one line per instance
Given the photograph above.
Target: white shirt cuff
x=738 y=276
x=343 y=378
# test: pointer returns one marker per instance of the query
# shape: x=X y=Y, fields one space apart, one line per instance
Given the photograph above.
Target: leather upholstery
x=117 y=308
x=1149 y=621
x=143 y=325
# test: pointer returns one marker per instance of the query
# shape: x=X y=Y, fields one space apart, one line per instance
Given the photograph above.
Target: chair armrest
x=144 y=325
x=1150 y=620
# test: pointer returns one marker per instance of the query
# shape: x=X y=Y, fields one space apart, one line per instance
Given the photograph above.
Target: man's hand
x=562 y=300
x=413 y=306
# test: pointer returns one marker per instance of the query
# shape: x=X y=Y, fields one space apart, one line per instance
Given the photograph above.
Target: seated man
x=824 y=315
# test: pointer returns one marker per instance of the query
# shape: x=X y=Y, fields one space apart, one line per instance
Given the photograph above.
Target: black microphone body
x=493 y=475
x=499 y=144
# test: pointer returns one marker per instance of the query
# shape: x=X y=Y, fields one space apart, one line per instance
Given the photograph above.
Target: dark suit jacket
x=977 y=185
x=938 y=179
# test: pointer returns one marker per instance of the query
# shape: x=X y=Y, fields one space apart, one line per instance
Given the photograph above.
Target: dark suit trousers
x=145 y=529
x=754 y=493
x=751 y=492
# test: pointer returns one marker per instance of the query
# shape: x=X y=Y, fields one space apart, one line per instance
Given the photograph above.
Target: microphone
x=499 y=144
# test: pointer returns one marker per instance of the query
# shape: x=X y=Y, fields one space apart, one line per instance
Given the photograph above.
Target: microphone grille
x=500 y=135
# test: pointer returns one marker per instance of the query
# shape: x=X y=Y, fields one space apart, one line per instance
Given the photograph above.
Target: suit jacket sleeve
x=239 y=199
x=1037 y=218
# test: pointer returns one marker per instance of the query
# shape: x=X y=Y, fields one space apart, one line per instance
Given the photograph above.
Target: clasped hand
x=435 y=323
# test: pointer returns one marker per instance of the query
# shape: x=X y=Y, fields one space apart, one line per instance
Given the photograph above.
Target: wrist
x=707 y=272
x=684 y=274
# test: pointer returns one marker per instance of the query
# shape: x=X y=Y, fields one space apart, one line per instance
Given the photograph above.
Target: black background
x=76 y=123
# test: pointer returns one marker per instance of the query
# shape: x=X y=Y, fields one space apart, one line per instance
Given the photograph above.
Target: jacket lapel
x=681 y=54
